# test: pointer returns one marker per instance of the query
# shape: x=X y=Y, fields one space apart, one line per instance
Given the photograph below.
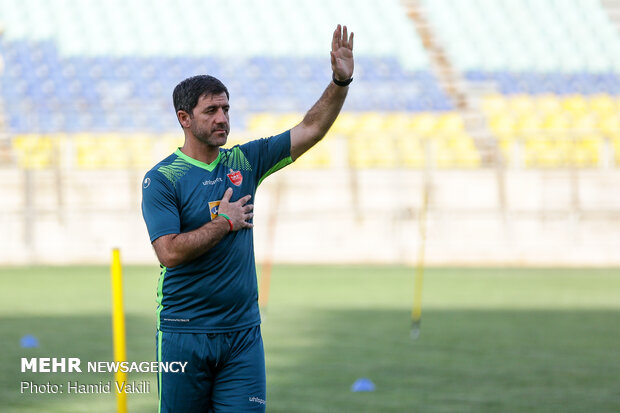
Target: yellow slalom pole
x=118 y=327
x=416 y=310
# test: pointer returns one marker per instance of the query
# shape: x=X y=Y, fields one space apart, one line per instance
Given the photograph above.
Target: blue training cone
x=29 y=341
x=363 y=384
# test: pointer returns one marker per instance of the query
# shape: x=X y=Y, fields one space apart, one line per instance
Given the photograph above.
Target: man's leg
x=240 y=385
x=189 y=391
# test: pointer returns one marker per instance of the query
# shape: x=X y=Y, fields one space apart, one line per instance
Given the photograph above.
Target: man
x=196 y=205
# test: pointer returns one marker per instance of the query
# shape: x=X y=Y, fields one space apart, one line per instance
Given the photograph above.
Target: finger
x=227 y=195
x=351 y=41
x=335 y=39
x=249 y=216
x=339 y=37
x=248 y=208
x=333 y=56
x=345 y=36
x=245 y=199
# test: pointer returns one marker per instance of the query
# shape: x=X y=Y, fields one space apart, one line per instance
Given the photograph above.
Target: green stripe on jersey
x=208 y=166
x=160 y=294
x=276 y=167
x=176 y=170
x=236 y=160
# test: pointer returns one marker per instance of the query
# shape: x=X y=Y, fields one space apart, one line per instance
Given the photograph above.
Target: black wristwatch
x=342 y=83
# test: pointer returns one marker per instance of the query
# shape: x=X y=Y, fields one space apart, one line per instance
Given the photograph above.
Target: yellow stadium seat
x=371 y=121
x=285 y=122
x=587 y=151
x=457 y=151
x=542 y=152
x=583 y=151
x=171 y=142
x=503 y=125
x=36 y=151
x=397 y=122
x=528 y=123
x=369 y=150
x=494 y=104
x=345 y=124
x=268 y=124
x=552 y=131
x=424 y=124
x=139 y=148
x=101 y=151
x=603 y=105
x=586 y=122
x=320 y=156
x=86 y=151
x=609 y=124
x=520 y=104
x=556 y=122
x=410 y=150
x=261 y=122
x=450 y=123
x=547 y=104
x=575 y=105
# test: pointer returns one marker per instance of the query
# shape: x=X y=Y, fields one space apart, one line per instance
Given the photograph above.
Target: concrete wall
x=474 y=217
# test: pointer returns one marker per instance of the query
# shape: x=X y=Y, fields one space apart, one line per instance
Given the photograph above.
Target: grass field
x=493 y=340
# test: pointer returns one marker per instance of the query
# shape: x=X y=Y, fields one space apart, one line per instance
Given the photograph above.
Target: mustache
x=224 y=127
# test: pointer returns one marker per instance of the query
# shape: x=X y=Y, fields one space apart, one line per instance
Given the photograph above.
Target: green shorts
x=225 y=372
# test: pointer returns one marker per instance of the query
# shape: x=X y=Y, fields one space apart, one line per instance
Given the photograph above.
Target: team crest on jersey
x=235 y=177
x=213 y=208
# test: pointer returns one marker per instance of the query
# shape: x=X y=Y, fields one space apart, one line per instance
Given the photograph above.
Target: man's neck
x=200 y=151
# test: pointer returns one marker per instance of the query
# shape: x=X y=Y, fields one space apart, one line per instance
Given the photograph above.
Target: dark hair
x=186 y=94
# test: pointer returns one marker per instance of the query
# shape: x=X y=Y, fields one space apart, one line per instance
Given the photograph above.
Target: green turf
x=493 y=340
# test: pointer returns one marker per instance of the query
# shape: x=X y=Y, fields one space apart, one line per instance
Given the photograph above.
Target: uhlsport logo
x=235 y=177
x=146 y=183
x=212 y=182
x=213 y=208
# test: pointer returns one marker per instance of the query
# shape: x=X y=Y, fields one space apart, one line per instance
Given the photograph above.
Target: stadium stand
x=106 y=69
x=78 y=68
x=554 y=70
x=501 y=114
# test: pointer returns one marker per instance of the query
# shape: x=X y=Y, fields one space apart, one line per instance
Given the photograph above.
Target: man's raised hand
x=342 y=54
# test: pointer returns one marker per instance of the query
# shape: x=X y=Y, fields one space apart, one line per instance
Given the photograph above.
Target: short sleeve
x=159 y=206
x=269 y=155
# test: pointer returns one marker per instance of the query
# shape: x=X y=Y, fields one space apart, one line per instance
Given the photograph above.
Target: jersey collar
x=208 y=166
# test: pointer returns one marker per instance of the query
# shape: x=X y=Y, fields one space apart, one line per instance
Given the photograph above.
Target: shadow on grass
x=86 y=337
x=464 y=361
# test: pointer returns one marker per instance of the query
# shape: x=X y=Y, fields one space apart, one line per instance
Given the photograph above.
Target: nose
x=221 y=116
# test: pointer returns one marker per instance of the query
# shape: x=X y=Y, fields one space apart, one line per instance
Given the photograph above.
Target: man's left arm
x=322 y=115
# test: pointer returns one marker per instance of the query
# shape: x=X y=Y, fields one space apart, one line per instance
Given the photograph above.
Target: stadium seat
x=369 y=150
x=89 y=69
x=35 y=151
x=555 y=131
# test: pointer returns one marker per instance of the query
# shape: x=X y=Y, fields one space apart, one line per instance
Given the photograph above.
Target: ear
x=184 y=118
